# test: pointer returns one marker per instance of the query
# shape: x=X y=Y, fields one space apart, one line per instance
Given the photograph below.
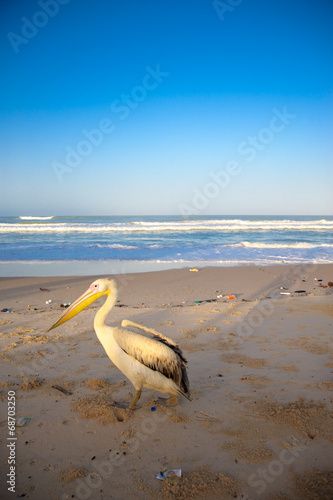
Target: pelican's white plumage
x=154 y=363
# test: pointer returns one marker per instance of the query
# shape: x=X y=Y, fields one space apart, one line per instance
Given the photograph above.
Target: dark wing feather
x=184 y=383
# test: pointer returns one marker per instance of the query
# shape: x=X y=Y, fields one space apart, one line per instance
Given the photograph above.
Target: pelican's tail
x=186 y=395
x=184 y=384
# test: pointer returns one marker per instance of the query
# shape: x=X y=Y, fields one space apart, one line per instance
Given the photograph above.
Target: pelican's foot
x=171 y=401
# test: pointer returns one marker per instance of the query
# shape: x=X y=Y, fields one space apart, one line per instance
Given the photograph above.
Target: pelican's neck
x=102 y=313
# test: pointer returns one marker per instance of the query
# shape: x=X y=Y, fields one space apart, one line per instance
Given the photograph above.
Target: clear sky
x=166 y=107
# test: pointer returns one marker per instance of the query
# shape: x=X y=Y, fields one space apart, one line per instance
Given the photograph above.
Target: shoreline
x=260 y=371
x=13 y=269
x=235 y=279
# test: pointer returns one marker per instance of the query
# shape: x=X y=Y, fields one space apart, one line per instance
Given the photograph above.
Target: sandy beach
x=260 y=368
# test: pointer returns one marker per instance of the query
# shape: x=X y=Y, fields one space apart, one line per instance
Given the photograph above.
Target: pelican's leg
x=135 y=400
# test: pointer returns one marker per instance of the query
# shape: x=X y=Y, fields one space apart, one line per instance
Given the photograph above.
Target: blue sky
x=166 y=107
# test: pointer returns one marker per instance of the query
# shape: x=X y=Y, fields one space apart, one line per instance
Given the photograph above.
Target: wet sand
x=260 y=368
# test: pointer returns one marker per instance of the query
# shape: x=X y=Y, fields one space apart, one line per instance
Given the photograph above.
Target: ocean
x=40 y=246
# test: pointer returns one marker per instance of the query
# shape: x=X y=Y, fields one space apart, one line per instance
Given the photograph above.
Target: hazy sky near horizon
x=166 y=107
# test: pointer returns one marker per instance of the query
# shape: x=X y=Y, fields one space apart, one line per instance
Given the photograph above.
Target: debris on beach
x=226 y=297
x=169 y=473
x=5 y=310
x=21 y=421
x=65 y=304
x=61 y=389
x=206 y=300
x=44 y=289
x=201 y=483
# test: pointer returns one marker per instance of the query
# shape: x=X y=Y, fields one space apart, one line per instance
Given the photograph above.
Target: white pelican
x=155 y=363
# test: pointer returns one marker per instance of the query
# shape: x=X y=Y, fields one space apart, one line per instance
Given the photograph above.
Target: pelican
x=154 y=363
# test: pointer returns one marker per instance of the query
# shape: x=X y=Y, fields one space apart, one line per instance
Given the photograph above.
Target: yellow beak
x=79 y=305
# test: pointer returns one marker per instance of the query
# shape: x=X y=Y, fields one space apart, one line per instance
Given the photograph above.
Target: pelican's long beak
x=81 y=303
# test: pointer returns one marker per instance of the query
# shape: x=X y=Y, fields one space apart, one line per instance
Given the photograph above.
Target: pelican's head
x=96 y=290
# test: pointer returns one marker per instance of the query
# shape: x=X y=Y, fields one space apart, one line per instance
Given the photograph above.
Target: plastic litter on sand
x=169 y=473
x=21 y=421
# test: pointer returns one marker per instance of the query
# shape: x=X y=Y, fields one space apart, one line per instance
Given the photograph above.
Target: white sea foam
x=228 y=225
x=31 y=217
x=300 y=245
x=115 y=245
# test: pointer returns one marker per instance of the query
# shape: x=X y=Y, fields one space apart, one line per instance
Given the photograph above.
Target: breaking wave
x=186 y=226
x=299 y=245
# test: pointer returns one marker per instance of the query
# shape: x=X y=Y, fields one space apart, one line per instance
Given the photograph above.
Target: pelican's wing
x=153 y=353
x=159 y=336
x=127 y=322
